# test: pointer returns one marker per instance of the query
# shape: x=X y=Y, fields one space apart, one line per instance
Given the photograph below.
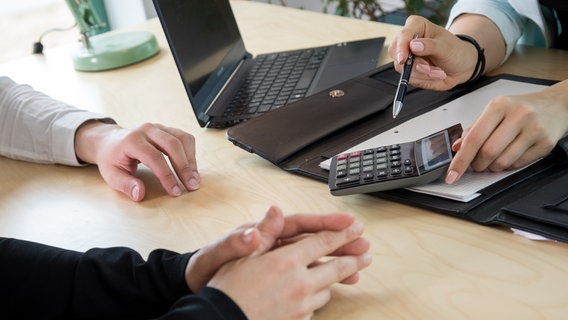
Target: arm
x=443 y=60
x=40 y=281
x=513 y=131
x=35 y=127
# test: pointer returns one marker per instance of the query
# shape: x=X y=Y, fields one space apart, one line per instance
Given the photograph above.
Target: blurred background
x=24 y=21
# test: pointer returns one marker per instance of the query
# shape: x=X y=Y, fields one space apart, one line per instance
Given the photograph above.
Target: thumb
x=124 y=182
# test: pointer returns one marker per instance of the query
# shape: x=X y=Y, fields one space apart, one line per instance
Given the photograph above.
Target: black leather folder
x=299 y=136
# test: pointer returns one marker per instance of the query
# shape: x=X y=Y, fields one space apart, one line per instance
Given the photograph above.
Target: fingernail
x=196 y=176
x=357 y=228
x=135 y=192
x=367 y=259
x=451 y=177
x=247 y=235
x=194 y=182
x=398 y=57
x=176 y=191
x=417 y=46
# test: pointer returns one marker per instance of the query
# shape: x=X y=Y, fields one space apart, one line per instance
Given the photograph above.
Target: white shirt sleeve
x=37 y=128
x=505 y=17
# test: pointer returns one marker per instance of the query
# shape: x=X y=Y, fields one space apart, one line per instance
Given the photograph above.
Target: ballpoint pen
x=402 y=84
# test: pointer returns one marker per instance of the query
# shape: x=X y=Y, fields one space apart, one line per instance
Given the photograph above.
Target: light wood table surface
x=426 y=265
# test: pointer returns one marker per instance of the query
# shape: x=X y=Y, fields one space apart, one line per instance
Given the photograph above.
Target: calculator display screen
x=435 y=150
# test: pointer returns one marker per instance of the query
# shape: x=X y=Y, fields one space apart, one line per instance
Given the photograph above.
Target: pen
x=402 y=84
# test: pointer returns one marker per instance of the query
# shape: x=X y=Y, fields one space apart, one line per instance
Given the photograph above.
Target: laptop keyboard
x=276 y=80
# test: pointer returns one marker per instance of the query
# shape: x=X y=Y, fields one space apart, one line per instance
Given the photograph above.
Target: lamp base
x=115 y=50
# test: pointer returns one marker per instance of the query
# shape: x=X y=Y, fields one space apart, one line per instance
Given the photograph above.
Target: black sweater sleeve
x=43 y=282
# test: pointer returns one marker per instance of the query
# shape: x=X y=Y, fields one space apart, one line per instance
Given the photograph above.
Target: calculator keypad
x=370 y=165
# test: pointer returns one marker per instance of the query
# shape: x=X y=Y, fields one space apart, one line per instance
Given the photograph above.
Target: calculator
x=394 y=166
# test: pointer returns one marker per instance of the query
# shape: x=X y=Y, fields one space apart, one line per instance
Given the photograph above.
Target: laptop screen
x=206 y=45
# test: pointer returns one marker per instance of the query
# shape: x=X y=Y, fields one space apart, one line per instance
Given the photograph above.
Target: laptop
x=226 y=85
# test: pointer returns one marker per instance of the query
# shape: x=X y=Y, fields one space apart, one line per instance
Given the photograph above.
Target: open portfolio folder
x=300 y=137
x=464 y=110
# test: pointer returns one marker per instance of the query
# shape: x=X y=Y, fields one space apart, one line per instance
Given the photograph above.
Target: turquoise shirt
x=520 y=21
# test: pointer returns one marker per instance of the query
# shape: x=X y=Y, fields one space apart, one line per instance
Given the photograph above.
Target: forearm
x=40 y=281
x=486 y=33
x=35 y=127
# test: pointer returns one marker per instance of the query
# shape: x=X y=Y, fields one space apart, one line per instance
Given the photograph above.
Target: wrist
x=88 y=138
x=479 y=66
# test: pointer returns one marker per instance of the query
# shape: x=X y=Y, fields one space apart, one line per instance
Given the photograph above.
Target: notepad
x=465 y=110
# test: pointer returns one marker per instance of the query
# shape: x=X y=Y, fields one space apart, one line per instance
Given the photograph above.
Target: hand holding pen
x=403 y=84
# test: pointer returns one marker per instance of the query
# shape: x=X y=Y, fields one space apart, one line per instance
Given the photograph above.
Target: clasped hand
x=272 y=269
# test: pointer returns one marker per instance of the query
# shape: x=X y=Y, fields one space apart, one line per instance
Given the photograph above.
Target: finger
x=323 y=243
x=205 y=263
x=153 y=158
x=270 y=228
x=126 y=183
x=472 y=141
x=319 y=299
x=338 y=269
x=184 y=160
x=350 y=280
x=177 y=145
x=399 y=47
x=310 y=223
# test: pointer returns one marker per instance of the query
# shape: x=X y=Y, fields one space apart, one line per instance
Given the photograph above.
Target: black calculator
x=394 y=166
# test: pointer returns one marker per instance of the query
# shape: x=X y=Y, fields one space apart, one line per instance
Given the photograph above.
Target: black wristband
x=480 y=64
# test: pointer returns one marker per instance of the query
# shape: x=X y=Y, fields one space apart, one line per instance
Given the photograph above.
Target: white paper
x=464 y=110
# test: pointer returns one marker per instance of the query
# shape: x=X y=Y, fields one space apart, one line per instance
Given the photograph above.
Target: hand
x=255 y=239
x=442 y=60
x=512 y=132
x=118 y=151
x=290 y=282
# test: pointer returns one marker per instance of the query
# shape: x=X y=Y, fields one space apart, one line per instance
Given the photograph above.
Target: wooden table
x=426 y=265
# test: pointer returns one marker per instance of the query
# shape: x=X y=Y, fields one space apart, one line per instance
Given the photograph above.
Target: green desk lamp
x=104 y=51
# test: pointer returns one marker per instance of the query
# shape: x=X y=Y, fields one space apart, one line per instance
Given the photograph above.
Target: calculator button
x=368 y=176
x=354 y=171
x=368 y=162
x=381 y=149
x=381 y=166
x=395 y=164
x=355 y=154
x=395 y=147
x=395 y=158
x=354 y=164
x=382 y=173
x=396 y=171
x=340 y=173
x=342 y=156
x=381 y=155
x=368 y=157
x=395 y=152
x=368 y=169
x=347 y=180
x=407 y=162
x=408 y=169
x=368 y=151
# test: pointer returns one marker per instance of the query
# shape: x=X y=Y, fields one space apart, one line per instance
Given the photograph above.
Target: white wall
x=125 y=13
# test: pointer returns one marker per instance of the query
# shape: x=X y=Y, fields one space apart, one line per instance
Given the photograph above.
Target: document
x=464 y=110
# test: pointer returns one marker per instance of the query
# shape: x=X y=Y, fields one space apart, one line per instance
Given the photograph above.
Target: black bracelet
x=480 y=65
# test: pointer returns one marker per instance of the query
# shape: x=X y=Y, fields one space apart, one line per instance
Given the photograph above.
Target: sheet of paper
x=464 y=110
x=466 y=189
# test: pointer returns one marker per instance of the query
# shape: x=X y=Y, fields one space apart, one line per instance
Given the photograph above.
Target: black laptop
x=226 y=85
